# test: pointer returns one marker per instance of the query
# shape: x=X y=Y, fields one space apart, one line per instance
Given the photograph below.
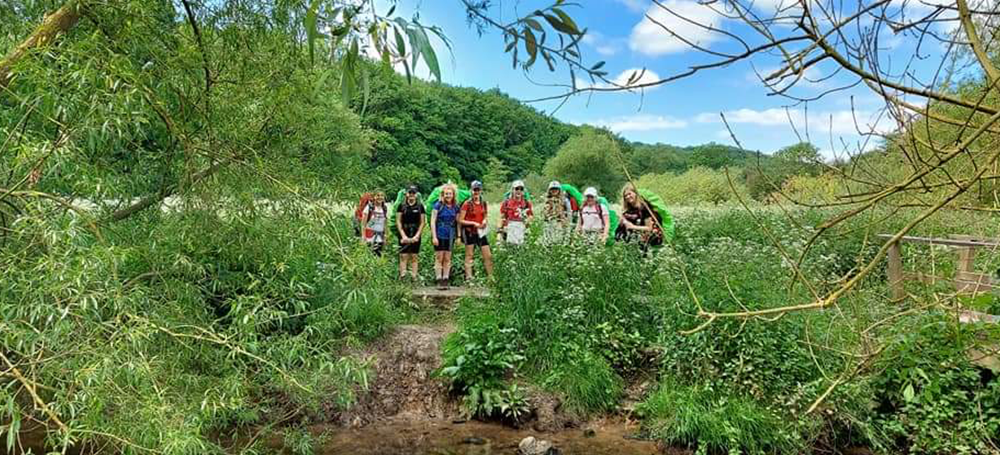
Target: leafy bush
x=239 y=317
x=931 y=398
x=697 y=185
x=477 y=362
x=718 y=420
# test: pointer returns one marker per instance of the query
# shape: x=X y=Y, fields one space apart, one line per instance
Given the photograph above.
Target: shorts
x=444 y=244
x=471 y=237
x=409 y=248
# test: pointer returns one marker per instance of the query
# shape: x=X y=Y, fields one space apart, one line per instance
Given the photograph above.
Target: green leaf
x=597 y=65
x=310 y=23
x=400 y=44
x=430 y=57
x=533 y=24
x=908 y=392
x=568 y=21
x=391 y=10
x=530 y=46
x=557 y=24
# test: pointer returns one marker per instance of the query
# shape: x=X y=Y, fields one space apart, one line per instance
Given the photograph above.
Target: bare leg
x=415 y=260
x=438 y=264
x=487 y=259
x=470 y=251
x=402 y=265
x=445 y=265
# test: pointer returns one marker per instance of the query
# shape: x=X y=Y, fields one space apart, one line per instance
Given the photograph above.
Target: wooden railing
x=966 y=281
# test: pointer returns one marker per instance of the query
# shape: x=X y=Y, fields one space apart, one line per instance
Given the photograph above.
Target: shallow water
x=476 y=438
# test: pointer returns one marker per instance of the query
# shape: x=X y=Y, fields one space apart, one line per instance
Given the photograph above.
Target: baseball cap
x=554 y=185
x=517 y=184
x=590 y=191
x=412 y=189
x=476 y=185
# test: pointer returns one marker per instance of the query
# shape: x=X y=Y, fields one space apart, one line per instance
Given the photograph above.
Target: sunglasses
x=477 y=189
x=520 y=188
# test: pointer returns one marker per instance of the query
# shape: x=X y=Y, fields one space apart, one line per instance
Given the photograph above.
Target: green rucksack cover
x=575 y=194
x=613 y=219
x=463 y=195
x=660 y=209
x=401 y=196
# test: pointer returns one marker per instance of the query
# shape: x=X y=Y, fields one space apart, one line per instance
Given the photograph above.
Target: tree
x=591 y=158
x=495 y=179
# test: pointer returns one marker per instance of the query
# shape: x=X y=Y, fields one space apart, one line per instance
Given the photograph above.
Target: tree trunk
x=59 y=22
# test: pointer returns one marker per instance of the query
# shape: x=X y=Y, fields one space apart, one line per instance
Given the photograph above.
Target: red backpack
x=366 y=201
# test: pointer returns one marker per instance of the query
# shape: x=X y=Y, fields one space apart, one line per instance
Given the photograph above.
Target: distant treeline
x=428 y=133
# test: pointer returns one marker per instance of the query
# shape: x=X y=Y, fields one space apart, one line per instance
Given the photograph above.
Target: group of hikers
x=462 y=216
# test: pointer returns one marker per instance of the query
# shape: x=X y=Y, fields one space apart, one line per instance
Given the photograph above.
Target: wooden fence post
x=895 y=272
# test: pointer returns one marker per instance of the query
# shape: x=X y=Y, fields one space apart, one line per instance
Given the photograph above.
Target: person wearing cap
x=410 y=218
x=472 y=220
x=557 y=213
x=594 y=220
x=515 y=214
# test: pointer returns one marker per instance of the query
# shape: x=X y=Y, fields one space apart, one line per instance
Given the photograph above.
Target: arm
x=399 y=226
x=434 y=231
x=420 y=229
x=364 y=222
x=461 y=219
x=607 y=224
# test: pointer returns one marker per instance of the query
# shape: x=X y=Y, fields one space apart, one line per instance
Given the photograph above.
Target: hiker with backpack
x=594 y=219
x=444 y=218
x=639 y=221
x=515 y=214
x=373 y=218
x=472 y=221
x=557 y=214
x=410 y=218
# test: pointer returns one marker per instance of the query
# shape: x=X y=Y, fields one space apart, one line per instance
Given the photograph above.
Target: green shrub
x=718 y=420
x=697 y=185
x=477 y=362
x=931 y=398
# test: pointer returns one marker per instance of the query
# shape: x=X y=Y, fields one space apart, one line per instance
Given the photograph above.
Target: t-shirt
x=638 y=217
x=593 y=217
x=376 y=217
x=474 y=212
x=411 y=217
x=446 y=218
x=516 y=209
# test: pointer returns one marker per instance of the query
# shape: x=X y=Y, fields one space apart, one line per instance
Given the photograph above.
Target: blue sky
x=685 y=112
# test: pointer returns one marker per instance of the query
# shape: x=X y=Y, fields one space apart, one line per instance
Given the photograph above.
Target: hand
x=435 y=241
x=482 y=225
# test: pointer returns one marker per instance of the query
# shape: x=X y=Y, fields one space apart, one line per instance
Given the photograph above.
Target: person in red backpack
x=515 y=214
x=594 y=223
x=373 y=219
x=472 y=221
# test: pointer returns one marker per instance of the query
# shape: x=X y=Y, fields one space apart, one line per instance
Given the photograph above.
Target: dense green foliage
x=590 y=158
x=581 y=323
x=430 y=133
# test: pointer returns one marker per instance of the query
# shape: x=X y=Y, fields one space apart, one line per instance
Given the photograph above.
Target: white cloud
x=649 y=37
x=602 y=44
x=640 y=123
x=622 y=80
x=839 y=122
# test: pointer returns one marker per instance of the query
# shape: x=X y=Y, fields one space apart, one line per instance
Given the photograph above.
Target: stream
x=435 y=437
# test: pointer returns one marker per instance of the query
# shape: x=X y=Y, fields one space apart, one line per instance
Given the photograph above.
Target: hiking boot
x=442 y=284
